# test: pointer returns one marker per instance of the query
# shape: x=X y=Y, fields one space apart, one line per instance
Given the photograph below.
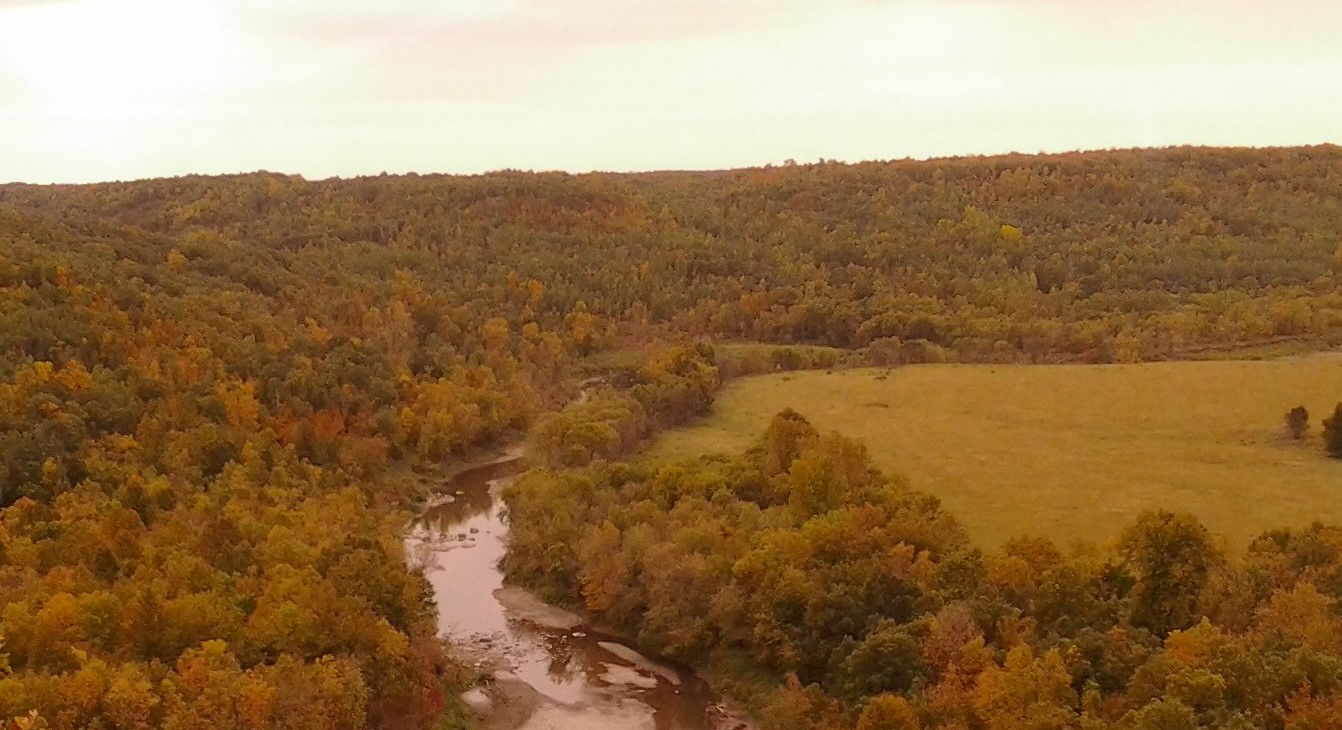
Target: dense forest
x=1101 y=256
x=833 y=596
x=214 y=393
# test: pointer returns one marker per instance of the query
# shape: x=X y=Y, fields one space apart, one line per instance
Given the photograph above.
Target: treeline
x=651 y=391
x=1106 y=256
x=669 y=389
x=853 y=601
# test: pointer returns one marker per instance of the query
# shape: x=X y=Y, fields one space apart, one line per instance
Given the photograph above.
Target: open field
x=1069 y=451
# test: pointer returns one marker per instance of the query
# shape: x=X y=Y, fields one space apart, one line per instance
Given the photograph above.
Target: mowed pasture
x=1073 y=452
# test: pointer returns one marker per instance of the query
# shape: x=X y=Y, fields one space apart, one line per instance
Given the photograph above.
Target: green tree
x=1332 y=433
x=788 y=434
x=1171 y=555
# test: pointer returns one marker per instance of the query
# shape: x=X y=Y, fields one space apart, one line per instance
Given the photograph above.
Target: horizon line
x=786 y=163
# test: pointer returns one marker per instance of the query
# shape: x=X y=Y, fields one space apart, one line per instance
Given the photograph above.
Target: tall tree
x=1171 y=556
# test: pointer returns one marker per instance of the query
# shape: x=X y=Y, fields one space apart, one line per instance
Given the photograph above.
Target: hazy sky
x=116 y=89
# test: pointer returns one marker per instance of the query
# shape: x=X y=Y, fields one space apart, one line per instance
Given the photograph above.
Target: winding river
x=549 y=669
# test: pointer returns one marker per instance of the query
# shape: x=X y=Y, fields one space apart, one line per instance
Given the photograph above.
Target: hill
x=1102 y=256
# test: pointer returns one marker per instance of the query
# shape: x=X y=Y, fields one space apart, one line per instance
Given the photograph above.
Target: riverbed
x=548 y=668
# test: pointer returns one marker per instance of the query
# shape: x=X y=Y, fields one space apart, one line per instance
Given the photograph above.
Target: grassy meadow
x=1073 y=452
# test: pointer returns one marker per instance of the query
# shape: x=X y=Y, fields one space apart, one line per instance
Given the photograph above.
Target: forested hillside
x=211 y=388
x=1100 y=255
x=199 y=528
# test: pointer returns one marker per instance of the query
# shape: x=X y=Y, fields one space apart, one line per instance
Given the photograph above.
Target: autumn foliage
x=212 y=388
x=838 y=597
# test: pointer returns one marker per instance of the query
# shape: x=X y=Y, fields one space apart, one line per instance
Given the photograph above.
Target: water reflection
x=466 y=495
x=460 y=539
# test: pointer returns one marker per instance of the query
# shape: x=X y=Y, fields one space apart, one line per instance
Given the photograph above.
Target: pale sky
x=120 y=89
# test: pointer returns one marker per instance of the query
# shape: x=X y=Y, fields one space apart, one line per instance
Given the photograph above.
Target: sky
x=120 y=89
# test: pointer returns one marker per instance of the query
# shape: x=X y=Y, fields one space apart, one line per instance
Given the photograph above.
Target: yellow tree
x=1026 y=692
x=888 y=712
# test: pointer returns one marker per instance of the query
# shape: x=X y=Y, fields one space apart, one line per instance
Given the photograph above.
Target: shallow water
x=587 y=679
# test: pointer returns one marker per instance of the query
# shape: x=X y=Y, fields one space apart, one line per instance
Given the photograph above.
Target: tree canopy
x=849 y=599
x=213 y=391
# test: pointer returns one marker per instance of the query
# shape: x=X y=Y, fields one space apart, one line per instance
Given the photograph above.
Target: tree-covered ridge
x=1101 y=256
x=199 y=442
x=798 y=561
x=351 y=356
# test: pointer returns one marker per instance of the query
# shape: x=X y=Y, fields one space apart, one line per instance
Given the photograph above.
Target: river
x=549 y=669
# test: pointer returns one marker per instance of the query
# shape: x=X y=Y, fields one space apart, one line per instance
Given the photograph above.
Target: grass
x=1073 y=452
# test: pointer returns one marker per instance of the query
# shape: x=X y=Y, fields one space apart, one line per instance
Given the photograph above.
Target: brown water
x=585 y=679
